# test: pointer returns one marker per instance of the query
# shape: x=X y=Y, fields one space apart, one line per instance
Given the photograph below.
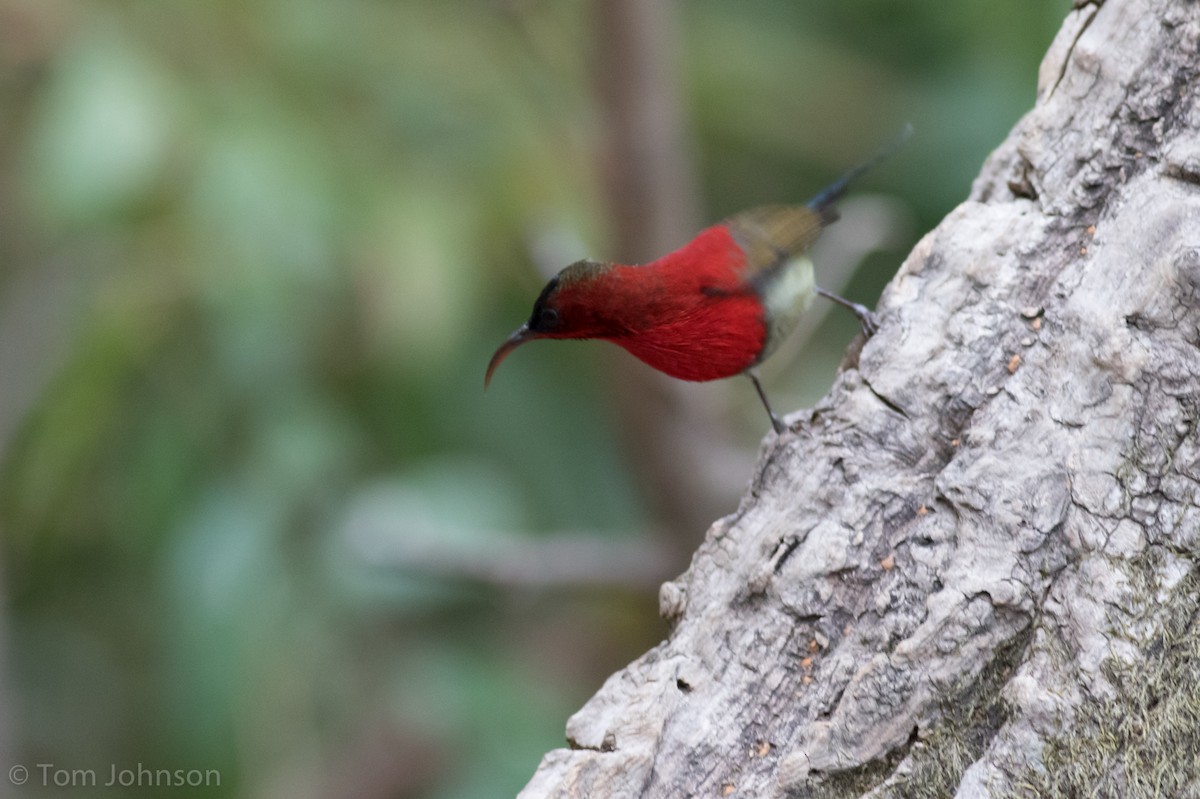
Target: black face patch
x=545 y=318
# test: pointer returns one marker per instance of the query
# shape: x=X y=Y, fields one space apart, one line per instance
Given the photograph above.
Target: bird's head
x=566 y=308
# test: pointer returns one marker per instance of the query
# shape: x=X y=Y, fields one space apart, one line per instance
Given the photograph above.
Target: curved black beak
x=518 y=337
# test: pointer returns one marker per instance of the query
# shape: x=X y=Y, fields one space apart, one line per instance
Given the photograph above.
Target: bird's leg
x=870 y=325
x=762 y=395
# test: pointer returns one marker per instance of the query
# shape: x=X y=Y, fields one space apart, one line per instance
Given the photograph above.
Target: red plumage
x=688 y=314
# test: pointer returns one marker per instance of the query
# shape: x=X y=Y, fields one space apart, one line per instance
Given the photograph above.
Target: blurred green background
x=256 y=513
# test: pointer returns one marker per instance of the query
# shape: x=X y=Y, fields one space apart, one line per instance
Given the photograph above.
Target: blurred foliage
x=253 y=259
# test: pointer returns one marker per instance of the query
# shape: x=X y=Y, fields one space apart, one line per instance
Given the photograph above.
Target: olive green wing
x=773 y=235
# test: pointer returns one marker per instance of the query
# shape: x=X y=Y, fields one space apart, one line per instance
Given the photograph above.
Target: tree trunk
x=972 y=569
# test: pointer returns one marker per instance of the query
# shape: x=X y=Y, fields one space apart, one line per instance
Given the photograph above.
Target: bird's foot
x=866 y=317
x=868 y=320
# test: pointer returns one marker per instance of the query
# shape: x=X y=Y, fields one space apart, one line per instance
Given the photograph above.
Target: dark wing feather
x=772 y=235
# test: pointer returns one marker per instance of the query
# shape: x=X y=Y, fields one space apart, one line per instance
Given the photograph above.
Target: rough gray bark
x=972 y=569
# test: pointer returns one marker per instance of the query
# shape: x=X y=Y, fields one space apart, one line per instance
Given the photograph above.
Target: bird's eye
x=548 y=318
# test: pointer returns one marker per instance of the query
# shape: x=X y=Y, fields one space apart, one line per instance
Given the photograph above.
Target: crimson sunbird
x=714 y=308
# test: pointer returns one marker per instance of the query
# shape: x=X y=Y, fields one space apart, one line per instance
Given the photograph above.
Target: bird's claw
x=866 y=317
x=868 y=320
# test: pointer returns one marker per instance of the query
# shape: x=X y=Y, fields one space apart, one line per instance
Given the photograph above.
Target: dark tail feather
x=833 y=192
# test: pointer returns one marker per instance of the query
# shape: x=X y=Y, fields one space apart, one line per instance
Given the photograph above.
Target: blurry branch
x=687 y=468
x=374 y=759
x=36 y=293
x=7 y=751
x=505 y=560
x=35 y=308
x=648 y=175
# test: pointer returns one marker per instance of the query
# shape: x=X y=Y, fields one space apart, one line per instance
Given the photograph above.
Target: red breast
x=689 y=314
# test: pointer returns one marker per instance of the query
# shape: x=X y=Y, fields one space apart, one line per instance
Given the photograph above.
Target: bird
x=714 y=308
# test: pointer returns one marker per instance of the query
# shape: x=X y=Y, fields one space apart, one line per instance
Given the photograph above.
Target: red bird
x=714 y=308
